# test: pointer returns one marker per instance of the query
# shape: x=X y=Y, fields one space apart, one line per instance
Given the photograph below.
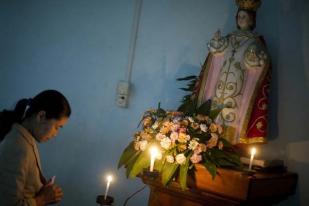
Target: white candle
x=253 y=151
x=109 y=178
x=153 y=154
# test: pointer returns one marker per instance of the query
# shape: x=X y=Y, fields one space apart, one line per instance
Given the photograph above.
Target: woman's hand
x=49 y=194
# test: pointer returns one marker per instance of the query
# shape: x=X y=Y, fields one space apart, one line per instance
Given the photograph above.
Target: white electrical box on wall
x=122 y=98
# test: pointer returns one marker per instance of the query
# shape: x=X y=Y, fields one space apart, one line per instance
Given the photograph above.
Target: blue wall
x=81 y=48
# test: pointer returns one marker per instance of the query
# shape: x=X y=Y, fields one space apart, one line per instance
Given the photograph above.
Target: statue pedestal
x=229 y=188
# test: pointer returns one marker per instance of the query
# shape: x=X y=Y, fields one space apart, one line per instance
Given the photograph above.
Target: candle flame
x=109 y=178
x=154 y=151
x=253 y=151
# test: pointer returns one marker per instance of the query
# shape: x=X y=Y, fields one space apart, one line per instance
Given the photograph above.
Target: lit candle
x=253 y=151
x=153 y=154
x=109 y=178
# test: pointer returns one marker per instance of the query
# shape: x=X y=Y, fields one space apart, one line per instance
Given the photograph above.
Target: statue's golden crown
x=252 y=5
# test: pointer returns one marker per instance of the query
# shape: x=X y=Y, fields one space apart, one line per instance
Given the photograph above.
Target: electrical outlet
x=122 y=93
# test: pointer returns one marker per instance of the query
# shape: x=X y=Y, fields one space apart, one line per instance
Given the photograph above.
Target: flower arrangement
x=183 y=140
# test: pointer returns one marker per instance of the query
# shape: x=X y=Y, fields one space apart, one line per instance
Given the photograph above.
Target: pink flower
x=200 y=148
x=195 y=158
x=160 y=137
x=182 y=130
x=212 y=142
x=220 y=129
x=175 y=127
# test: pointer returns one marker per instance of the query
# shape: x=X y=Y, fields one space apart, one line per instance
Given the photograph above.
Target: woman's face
x=244 y=20
x=47 y=129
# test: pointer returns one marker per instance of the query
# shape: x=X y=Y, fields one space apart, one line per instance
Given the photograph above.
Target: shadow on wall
x=183 y=71
x=269 y=29
x=174 y=86
x=305 y=50
x=297 y=160
x=293 y=61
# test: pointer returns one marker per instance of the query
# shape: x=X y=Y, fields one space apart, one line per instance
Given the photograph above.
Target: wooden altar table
x=229 y=188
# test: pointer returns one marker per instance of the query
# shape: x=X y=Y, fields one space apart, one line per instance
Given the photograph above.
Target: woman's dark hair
x=251 y=13
x=52 y=102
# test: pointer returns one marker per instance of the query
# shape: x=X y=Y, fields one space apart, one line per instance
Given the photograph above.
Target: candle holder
x=102 y=201
x=153 y=175
x=249 y=172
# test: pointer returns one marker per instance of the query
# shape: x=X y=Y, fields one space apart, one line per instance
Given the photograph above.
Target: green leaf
x=205 y=108
x=192 y=82
x=211 y=167
x=225 y=163
x=146 y=114
x=142 y=162
x=236 y=159
x=128 y=152
x=188 y=107
x=160 y=112
x=168 y=172
x=215 y=112
x=211 y=157
x=131 y=163
x=195 y=134
x=183 y=173
x=226 y=159
x=226 y=144
x=187 y=97
x=186 y=78
x=186 y=89
x=159 y=164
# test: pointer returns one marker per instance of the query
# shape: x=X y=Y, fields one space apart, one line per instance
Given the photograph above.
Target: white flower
x=196 y=158
x=143 y=145
x=180 y=158
x=191 y=119
x=174 y=136
x=170 y=159
x=203 y=127
x=160 y=137
x=155 y=125
x=166 y=143
x=176 y=119
x=188 y=137
x=136 y=145
x=193 y=144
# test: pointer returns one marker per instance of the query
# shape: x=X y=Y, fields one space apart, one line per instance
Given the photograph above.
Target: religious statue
x=236 y=74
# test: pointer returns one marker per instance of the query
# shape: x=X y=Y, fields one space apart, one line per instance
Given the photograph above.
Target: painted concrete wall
x=81 y=48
